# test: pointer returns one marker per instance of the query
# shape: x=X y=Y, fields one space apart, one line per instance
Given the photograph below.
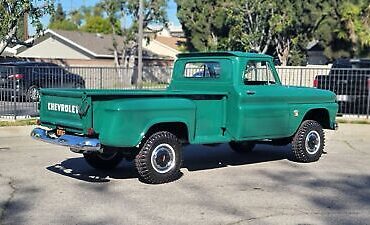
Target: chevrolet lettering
x=62 y=108
x=213 y=98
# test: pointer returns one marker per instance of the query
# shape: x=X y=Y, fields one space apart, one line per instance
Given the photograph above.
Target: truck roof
x=223 y=53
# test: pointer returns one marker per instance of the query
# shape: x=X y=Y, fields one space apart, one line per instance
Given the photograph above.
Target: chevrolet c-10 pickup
x=213 y=98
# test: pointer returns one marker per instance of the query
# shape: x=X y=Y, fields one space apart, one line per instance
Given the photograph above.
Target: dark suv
x=24 y=79
x=349 y=79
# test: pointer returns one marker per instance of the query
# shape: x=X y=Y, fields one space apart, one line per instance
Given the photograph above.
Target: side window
x=202 y=70
x=258 y=73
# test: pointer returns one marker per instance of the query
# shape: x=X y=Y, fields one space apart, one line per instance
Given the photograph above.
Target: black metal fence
x=19 y=84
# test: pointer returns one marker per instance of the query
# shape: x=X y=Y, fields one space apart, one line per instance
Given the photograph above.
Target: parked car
x=242 y=104
x=24 y=79
x=350 y=80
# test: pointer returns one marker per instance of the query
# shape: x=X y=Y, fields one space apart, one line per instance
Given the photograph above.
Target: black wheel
x=103 y=161
x=79 y=86
x=159 y=160
x=242 y=146
x=309 y=141
x=33 y=93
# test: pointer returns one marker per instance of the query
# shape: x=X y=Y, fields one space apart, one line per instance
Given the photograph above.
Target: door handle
x=251 y=92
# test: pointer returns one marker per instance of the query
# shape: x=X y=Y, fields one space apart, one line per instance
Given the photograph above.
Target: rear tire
x=309 y=141
x=242 y=146
x=159 y=160
x=103 y=161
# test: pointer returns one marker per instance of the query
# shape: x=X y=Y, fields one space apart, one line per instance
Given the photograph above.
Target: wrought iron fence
x=20 y=83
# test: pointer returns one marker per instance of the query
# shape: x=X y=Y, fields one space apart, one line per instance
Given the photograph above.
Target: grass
x=13 y=123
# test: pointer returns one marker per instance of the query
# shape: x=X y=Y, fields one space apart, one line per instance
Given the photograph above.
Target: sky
x=69 y=5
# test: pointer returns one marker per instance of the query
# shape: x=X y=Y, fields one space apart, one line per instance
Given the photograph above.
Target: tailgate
x=68 y=109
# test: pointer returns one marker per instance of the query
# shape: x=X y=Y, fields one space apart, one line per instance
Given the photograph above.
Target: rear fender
x=130 y=119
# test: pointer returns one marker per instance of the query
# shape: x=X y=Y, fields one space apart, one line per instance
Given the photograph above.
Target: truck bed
x=128 y=93
x=78 y=110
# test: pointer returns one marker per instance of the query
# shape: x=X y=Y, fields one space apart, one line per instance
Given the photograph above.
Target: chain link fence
x=20 y=83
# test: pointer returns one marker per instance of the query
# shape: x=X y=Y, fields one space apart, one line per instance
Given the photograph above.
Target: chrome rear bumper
x=77 y=143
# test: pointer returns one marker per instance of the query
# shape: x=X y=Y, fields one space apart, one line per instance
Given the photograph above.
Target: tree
x=12 y=10
x=60 y=21
x=59 y=14
x=97 y=24
x=63 y=25
x=345 y=32
x=294 y=25
x=354 y=24
x=203 y=23
x=154 y=12
x=249 y=23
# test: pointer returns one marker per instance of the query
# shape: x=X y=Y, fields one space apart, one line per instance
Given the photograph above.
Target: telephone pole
x=140 y=46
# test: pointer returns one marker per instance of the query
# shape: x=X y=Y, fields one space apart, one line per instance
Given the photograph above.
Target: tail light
x=316 y=83
x=368 y=84
x=90 y=131
x=16 y=76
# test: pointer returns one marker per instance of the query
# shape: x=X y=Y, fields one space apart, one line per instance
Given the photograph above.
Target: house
x=75 y=48
x=315 y=54
x=8 y=52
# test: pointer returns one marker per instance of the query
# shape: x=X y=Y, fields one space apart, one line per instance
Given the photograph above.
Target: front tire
x=309 y=141
x=159 y=160
x=103 y=161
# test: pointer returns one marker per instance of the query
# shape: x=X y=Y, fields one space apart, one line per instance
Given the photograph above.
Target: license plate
x=60 y=132
x=342 y=98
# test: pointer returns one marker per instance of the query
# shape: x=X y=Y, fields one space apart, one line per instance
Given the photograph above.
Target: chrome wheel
x=163 y=158
x=312 y=142
x=33 y=93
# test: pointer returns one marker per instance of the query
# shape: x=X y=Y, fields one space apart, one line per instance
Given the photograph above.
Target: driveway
x=45 y=184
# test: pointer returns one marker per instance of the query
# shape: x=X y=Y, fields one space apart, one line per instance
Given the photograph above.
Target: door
x=264 y=108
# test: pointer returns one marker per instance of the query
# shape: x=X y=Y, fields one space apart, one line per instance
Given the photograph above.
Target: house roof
x=172 y=42
x=99 y=45
x=92 y=44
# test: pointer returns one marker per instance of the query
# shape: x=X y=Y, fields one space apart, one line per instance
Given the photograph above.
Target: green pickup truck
x=215 y=97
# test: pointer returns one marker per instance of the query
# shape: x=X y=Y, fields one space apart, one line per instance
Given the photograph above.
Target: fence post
x=368 y=99
x=14 y=99
x=101 y=78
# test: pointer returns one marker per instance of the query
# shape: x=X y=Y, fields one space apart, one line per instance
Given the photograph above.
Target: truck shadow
x=195 y=157
x=206 y=158
x=77 y=168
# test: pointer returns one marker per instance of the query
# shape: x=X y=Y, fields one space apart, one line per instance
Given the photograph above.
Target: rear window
x=202 y=70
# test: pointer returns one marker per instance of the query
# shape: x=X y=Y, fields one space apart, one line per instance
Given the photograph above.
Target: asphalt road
x=43 y=184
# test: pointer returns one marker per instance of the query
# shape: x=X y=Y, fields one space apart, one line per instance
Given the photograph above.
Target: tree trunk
x=131 y=67
x=283 y=49
x=2 y=47
x=7 y=39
